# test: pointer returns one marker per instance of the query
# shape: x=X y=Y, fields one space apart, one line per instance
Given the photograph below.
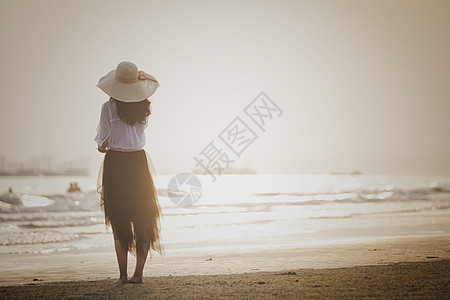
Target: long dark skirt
x=130 y=201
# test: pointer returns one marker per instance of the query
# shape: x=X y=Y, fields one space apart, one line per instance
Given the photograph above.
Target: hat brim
x=127 y=92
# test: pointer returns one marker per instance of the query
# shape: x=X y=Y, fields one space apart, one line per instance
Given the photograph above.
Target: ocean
x=234 y=213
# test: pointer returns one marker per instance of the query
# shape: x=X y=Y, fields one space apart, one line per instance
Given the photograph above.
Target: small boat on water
x=353 y=173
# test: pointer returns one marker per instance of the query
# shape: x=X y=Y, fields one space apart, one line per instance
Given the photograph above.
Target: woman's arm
x=103 y=130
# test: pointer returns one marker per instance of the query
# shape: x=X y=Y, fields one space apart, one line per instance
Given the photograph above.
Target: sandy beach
x=400 y=268
x=422 y=280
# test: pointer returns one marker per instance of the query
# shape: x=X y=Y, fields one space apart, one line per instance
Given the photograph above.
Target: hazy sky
x=362 y=84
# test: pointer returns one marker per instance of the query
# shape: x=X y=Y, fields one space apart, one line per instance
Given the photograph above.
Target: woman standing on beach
x=125 y=183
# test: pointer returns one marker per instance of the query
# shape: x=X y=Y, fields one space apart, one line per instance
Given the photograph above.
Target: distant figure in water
x=126 y=186
x=73 y=188
x=11 y=198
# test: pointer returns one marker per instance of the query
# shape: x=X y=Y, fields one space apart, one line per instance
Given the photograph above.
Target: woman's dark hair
x=133 y=112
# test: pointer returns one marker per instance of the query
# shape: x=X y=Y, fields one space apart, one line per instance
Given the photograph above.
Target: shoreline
x=421 y=280
x=24 y=268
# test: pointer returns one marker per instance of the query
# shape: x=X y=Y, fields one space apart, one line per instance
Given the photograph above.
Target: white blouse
x=122 y=136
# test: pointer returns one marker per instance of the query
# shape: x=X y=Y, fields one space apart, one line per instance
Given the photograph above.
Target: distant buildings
x=44 y=165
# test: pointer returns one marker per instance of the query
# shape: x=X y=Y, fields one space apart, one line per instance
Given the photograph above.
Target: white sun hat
x=127 y=84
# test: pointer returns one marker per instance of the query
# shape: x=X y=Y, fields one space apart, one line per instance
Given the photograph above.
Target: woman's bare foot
x=122 y=280
x=135 y=279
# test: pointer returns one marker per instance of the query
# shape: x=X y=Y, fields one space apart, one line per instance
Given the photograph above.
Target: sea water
x=234 y=213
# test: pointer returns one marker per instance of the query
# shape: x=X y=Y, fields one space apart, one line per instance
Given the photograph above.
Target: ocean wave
x=384 y=213
x=53 y=203
x=362 y=195
x=297 y=199
x=90 y=202
x=69 y=223
x=30 y=237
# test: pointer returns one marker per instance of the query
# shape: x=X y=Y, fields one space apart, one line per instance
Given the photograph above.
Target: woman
x=125 y=183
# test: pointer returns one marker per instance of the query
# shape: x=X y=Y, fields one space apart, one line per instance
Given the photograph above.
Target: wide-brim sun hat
x=127 y=84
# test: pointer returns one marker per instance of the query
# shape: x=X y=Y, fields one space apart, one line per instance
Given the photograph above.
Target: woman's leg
x=122 y=257
x=142 y=247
